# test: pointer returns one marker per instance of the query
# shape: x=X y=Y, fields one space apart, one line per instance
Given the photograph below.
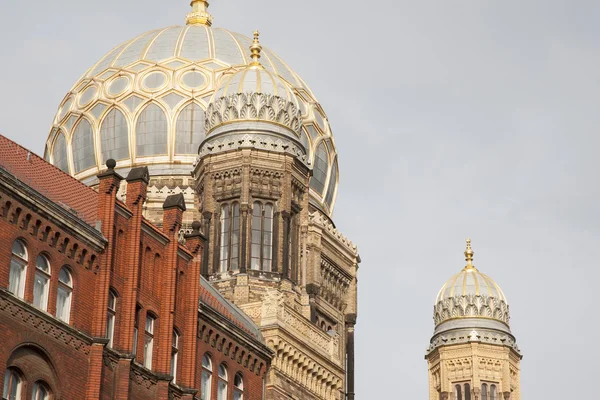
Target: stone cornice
x=318 y=219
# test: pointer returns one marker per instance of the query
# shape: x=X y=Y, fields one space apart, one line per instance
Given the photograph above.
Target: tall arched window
x=149 y=341
x=320 y=167
x=467 y=391
x=114 y=136
x=151 y=132
x=207 y=372
x=40 y=391
x=222 y=388
x=111 y=315
x=238 y=387
x=13 y=385
x=484 y=391
x=458 y=392
x=262 y=237
x=189 y=130
x=230 y=237
x=83 y=146
x=332 y=184
x=41 y=284
x=18 y=269
x=63 y=295
x=492 y=392
x=174 y=353
x=59 y=152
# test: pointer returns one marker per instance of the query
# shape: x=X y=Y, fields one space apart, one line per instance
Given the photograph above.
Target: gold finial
x=255 y=49
x=199 y=14
x=469 y=255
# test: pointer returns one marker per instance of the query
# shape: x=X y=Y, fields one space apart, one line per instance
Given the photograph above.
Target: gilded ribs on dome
x=174 y=68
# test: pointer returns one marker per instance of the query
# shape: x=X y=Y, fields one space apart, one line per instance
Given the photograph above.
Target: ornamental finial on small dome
x=469 y=255
x=199 y=14
x=255 y=50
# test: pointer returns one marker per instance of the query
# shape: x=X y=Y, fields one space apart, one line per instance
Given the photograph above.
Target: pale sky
x=451 y=118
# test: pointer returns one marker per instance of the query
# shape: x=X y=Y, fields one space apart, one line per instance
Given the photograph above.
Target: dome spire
x=469 y=255
x=255 y=50
x=199 y=14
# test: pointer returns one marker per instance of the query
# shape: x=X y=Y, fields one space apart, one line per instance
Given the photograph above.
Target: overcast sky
x=451 y=118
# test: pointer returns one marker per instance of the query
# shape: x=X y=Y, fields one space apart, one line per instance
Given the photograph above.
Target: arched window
x=230 y=237
x=189 y=130
x=320 y=167
x=63 y=295
x=467 y=391
x=59 y=153
x=114 y=136
x=484 y=391
x=206 y=378
x=40 y=391
x=332 y=184
x=262 y=237
x=151 y=132
x=238 y=387
x=18 y=269
x=12 y=385
x=111 y=315
x=83 y=146
x=222 y=388
x=174 y=352
x=41 y=284
x=458 y=392
x=149 y=341
x=492 y=392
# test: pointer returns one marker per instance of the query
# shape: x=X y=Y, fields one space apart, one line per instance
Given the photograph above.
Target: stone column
x=350 y=322
x=207 y=217
x=285 y=273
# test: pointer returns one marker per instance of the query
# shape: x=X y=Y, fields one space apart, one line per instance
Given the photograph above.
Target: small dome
x=470 y=294
x=255 y=95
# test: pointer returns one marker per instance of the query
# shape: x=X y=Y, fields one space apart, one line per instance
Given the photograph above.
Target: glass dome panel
x=118 y=86
x=193 y=79
x=332 y=184
x=195 y=44
x=59 y=152
x=151 y=132
x=189 y=130
x=228 y=49
x=134 y=51
x=164 y=45
x=305 y=142
x=317 y=182
x=88 y=96
x=114 y=136
x=155 y=80
x=65 y=109
x=83 y=146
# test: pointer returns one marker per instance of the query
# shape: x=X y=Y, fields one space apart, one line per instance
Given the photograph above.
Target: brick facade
x=111 y=248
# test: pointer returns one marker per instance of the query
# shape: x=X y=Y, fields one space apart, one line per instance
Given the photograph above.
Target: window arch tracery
x=82 y=143
x=151 y=132
x=114 y=136
x=189 y=130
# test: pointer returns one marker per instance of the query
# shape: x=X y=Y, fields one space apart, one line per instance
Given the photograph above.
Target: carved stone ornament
x=471 y=305
x=252 y=107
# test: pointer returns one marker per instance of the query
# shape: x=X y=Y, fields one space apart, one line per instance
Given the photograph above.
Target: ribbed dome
x=144 y=103
x=470 y=294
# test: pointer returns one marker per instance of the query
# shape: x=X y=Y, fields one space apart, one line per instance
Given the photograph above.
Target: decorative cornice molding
x=253 y=107
x=318 y=219
x=471 y=305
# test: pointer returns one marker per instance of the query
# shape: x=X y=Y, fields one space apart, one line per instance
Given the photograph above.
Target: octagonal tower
x=472 y=355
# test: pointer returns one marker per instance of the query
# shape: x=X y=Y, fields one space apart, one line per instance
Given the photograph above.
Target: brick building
x=98 y=303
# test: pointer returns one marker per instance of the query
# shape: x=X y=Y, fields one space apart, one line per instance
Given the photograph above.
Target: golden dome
x=470 y=293
x=144 y=103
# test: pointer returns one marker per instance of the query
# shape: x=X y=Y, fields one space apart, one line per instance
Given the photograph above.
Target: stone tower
x=473 y=354
x=272 y=247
